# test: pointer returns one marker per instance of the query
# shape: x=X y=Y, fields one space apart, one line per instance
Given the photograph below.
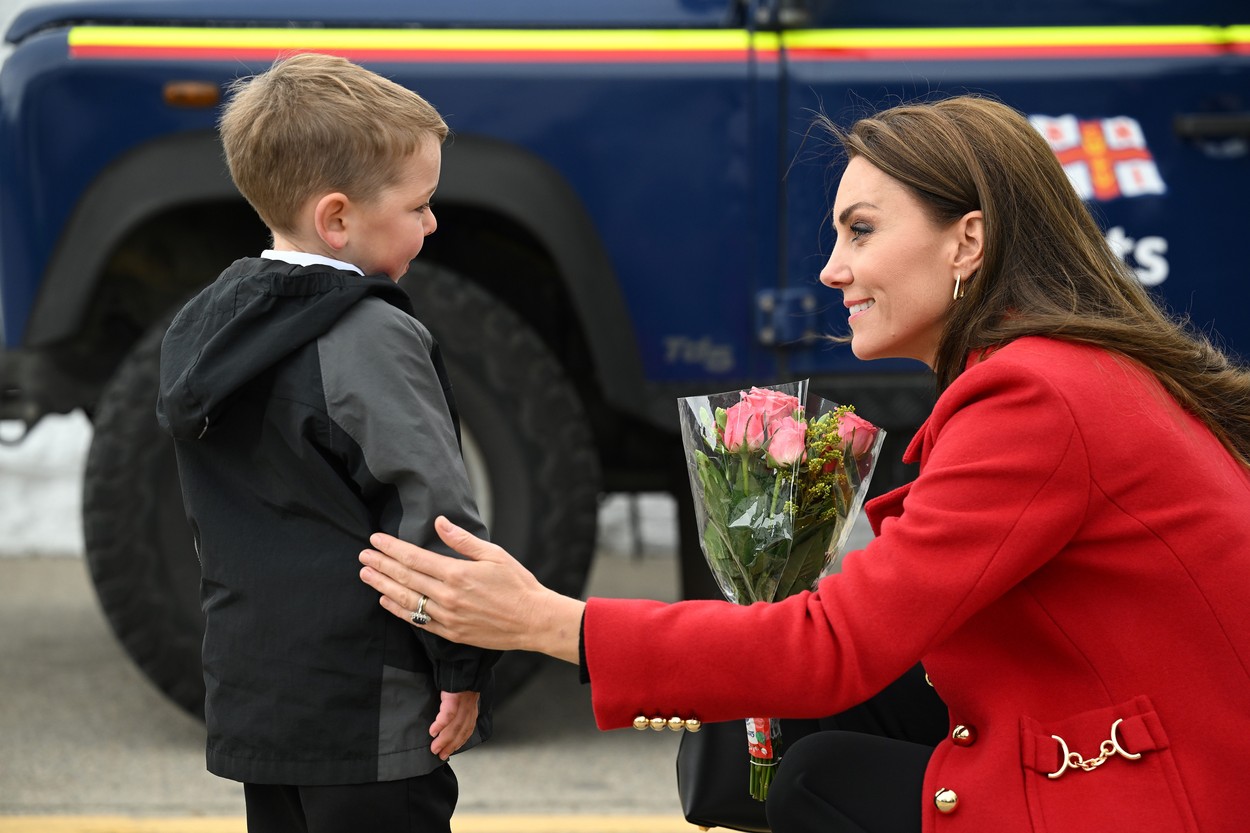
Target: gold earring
x=958 y=293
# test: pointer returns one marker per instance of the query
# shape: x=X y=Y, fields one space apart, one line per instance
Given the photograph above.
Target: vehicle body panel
x=683 y=129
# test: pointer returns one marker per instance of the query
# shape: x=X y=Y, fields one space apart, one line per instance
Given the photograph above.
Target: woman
x=1071 y=565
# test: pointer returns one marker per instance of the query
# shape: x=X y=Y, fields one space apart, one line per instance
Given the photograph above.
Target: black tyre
x=138 y=544
x=527 y=445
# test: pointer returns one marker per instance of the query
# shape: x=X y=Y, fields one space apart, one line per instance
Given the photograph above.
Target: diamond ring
x=419 y=616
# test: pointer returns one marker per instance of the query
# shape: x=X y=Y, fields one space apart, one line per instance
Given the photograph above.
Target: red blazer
x=1074 y=551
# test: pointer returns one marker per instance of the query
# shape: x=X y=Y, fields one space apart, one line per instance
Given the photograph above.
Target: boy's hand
x=457 y=718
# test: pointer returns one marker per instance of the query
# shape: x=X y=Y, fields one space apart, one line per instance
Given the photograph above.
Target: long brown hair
x=1047 y=269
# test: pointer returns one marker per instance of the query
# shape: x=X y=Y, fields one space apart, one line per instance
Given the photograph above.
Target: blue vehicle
x=633 y=209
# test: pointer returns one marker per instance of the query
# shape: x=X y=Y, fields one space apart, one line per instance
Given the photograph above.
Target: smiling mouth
x=856 y=309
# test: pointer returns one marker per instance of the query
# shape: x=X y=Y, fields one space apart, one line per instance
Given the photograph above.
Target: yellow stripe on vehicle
x=140 y=42
x=508 y=45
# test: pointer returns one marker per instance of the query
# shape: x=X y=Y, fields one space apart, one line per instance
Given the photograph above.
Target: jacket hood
x=253 y=316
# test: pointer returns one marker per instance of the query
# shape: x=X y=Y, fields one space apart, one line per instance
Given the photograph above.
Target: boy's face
x=389 y=229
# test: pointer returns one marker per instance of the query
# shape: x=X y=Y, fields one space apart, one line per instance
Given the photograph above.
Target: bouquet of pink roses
x=777 y=487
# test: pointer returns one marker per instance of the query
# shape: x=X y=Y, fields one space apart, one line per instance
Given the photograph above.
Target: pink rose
x=788 y=443
x=771 y=405
x=857 y=434
x=742 y=424
x=753 y=419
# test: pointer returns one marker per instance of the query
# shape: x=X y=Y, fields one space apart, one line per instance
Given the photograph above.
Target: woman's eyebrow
x=846 y=212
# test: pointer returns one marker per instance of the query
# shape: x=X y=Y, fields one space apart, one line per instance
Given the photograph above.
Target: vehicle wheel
x=138 y=544
x=527 y=443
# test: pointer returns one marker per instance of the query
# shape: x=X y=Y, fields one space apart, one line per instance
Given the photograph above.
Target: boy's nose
x=431 y=222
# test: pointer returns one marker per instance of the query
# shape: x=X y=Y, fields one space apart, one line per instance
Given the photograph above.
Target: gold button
x=641 y=723
x=658 y=723
x=693 y=724
x=676 y=724
x=964 y=735
x=946 y=801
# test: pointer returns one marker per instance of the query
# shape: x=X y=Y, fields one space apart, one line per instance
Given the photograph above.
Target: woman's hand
x=456 y=720
x=489 y=600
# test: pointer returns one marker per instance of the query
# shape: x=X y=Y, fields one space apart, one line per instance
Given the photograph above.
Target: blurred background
x=41 y=480
x=41 y=487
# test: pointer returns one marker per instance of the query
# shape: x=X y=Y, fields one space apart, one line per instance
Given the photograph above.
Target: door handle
x=1211 y=125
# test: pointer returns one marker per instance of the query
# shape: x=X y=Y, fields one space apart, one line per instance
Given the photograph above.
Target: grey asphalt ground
x=83 y=733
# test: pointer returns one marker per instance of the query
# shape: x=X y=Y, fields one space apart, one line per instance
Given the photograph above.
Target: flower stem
x=762 y=779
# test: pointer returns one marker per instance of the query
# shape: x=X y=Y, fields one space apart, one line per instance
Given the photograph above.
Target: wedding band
x=419 y=616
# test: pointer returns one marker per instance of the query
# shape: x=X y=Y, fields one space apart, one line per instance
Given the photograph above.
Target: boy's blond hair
x=314 y=124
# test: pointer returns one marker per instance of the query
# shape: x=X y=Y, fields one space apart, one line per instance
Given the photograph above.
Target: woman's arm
x=1005 y=486
x=489 y=599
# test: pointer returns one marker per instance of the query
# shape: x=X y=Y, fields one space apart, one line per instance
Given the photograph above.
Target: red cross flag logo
x=1104 y=158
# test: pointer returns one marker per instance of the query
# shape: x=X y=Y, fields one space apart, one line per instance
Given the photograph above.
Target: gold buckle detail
x=1107 y=749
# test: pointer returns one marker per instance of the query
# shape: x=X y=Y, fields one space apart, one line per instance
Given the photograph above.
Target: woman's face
x=896 y=268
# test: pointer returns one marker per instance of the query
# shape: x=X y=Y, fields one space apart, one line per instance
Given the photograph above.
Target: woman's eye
x=859 y=229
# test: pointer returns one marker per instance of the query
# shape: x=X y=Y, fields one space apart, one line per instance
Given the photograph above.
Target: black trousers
x=863 y=772
x=415 y=805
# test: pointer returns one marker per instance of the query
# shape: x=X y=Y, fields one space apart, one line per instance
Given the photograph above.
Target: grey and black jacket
x=309 y=408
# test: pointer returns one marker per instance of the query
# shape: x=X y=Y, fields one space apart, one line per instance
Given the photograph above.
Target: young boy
x=309 y=408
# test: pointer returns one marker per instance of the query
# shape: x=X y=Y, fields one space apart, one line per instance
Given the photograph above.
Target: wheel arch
x=153 y=179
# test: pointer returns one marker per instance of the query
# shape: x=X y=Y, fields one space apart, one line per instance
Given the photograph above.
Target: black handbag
x=714 y=775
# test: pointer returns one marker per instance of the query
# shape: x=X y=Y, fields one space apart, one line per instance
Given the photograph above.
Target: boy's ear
x=330 y=215
x=969 y=242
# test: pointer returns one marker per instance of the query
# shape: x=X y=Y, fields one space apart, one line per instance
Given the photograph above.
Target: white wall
x=41 y=487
